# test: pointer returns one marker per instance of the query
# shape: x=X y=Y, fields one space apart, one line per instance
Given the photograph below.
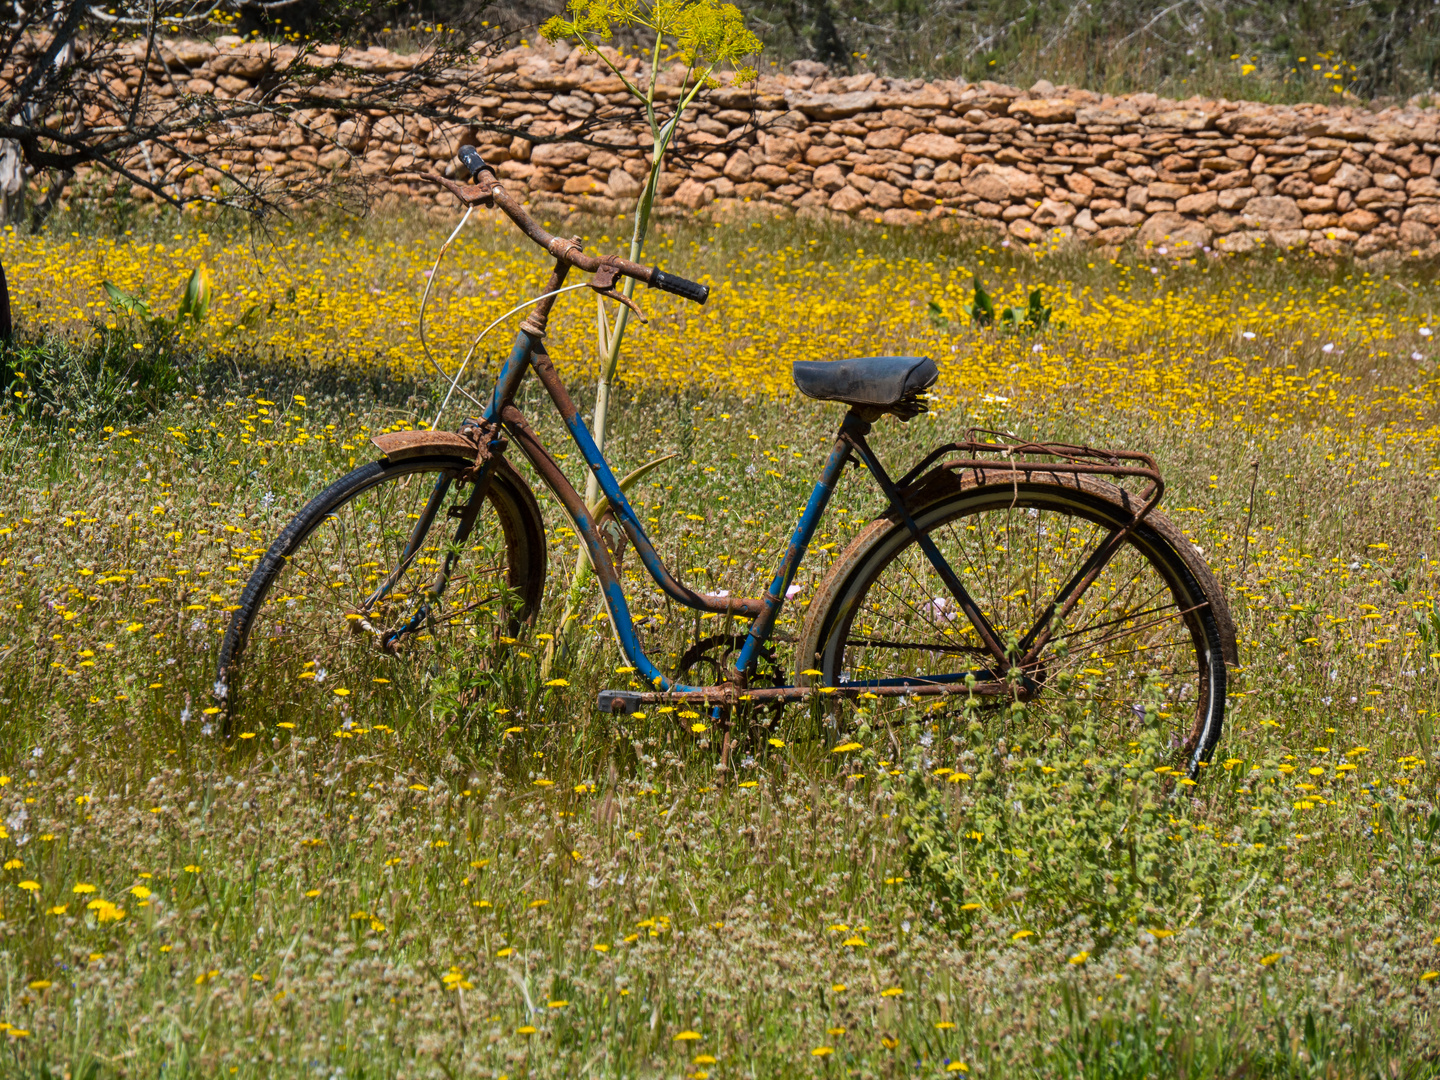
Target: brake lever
x=603 y=282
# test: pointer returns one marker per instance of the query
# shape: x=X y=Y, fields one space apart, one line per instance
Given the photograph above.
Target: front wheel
x=336 y=608
x=1154 y=615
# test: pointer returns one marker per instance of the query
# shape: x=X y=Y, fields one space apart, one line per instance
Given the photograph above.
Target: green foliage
x=1030 y=319
x=1062 y=817
x=116 y=375
x=1262 y=50
x=703 y=33
x=982 y=309
x=193 y=309
x=1034 y=318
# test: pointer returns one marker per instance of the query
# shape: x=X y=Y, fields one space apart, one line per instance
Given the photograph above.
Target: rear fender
x=941 y=482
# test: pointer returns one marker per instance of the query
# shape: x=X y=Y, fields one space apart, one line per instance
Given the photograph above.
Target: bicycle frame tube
x=799 y=543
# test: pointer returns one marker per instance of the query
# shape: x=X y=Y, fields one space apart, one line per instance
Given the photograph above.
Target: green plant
x=982 y=309
x=193 y=309
x=702 y=35
x=1032 y=319
x=1067 y=816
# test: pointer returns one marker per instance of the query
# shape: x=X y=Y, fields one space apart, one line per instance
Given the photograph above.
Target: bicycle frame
x=529 y=353
x=1007 y=663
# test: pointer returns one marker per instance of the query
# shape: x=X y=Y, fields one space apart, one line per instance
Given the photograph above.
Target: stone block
x=1272 y=212
x=1333 y=249
x=1162 y=190
x=1052 y=213
x=828 y=178
x=1289 y=238
x=1426 y=213
x=1349 y=177
x=693 y=195
x=1178 y=235
x=1044 y=110
x=1199 y=204
x=1023 y=229
x=1111 y=237
x=1119 y=217
x=1181 y=119
x=1360 y=221
x=884 y=196
x=1416 y=234
x=1118 y=115
x=847 y=201
x=888 y=138
x=1259 y=123
x=622 y=185
x=1234 y=198
x=937 y=147
x=818 y=154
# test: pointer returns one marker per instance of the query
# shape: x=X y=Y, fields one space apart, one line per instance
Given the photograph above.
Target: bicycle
x=1000 y=569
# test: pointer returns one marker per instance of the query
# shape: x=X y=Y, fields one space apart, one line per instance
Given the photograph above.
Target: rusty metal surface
x=531 y=446
x=729 y=695
x=402 y=445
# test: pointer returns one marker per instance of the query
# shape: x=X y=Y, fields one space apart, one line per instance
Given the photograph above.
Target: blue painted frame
x=522 y=358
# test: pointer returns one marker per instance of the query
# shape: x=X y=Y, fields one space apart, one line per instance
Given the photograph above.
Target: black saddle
x=890 y=383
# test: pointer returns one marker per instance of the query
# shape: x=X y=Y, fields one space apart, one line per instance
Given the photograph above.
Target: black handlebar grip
x=690 y=290
x=472 y=160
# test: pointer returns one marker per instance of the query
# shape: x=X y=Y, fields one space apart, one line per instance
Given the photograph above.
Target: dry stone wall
x=1042 y=165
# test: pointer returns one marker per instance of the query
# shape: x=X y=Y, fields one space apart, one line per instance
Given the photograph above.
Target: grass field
x=487 y=879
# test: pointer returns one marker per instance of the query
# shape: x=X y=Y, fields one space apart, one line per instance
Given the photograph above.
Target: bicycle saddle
x=892 y=383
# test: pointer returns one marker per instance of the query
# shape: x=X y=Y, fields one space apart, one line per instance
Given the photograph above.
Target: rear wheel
x=1155 y=614
x=309 y=631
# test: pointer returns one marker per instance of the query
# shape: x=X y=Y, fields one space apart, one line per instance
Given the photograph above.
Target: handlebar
x=568 y=250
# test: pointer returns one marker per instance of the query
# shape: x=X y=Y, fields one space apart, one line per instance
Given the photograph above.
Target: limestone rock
x=847 y=201
x=693 y=195
x=1199 y=204
x=1044 y=110
x=1181 y=119
x=1179 y=235
x=1259 y=123
x=1117 y=115
x=1351 y=177
x=884 y=196
x=1051 y=212
x=1272 y=212
x=1360 y=221
x=936 y=147
x=835 y=106
x=828 y=178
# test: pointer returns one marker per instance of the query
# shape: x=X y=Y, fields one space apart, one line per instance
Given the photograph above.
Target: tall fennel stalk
x=701 y=34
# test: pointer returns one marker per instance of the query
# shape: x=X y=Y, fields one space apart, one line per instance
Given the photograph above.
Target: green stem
x=610 y=360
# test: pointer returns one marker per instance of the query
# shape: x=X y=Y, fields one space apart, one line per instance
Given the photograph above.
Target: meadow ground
x=486 y=878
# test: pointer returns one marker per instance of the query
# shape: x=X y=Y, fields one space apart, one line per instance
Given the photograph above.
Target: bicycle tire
x=511 y=510
x=1156 y=548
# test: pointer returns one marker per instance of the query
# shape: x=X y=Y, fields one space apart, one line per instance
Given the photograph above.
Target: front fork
x=435 y=588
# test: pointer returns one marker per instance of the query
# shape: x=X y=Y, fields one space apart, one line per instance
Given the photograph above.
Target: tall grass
x=487 y=878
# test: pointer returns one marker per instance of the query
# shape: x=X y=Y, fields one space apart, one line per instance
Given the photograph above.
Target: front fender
x=401 y=445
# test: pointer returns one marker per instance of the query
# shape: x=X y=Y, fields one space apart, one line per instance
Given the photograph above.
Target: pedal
x=618 y=702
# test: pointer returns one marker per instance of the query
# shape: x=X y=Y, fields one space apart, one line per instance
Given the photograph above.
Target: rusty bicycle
x=1000 y=569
